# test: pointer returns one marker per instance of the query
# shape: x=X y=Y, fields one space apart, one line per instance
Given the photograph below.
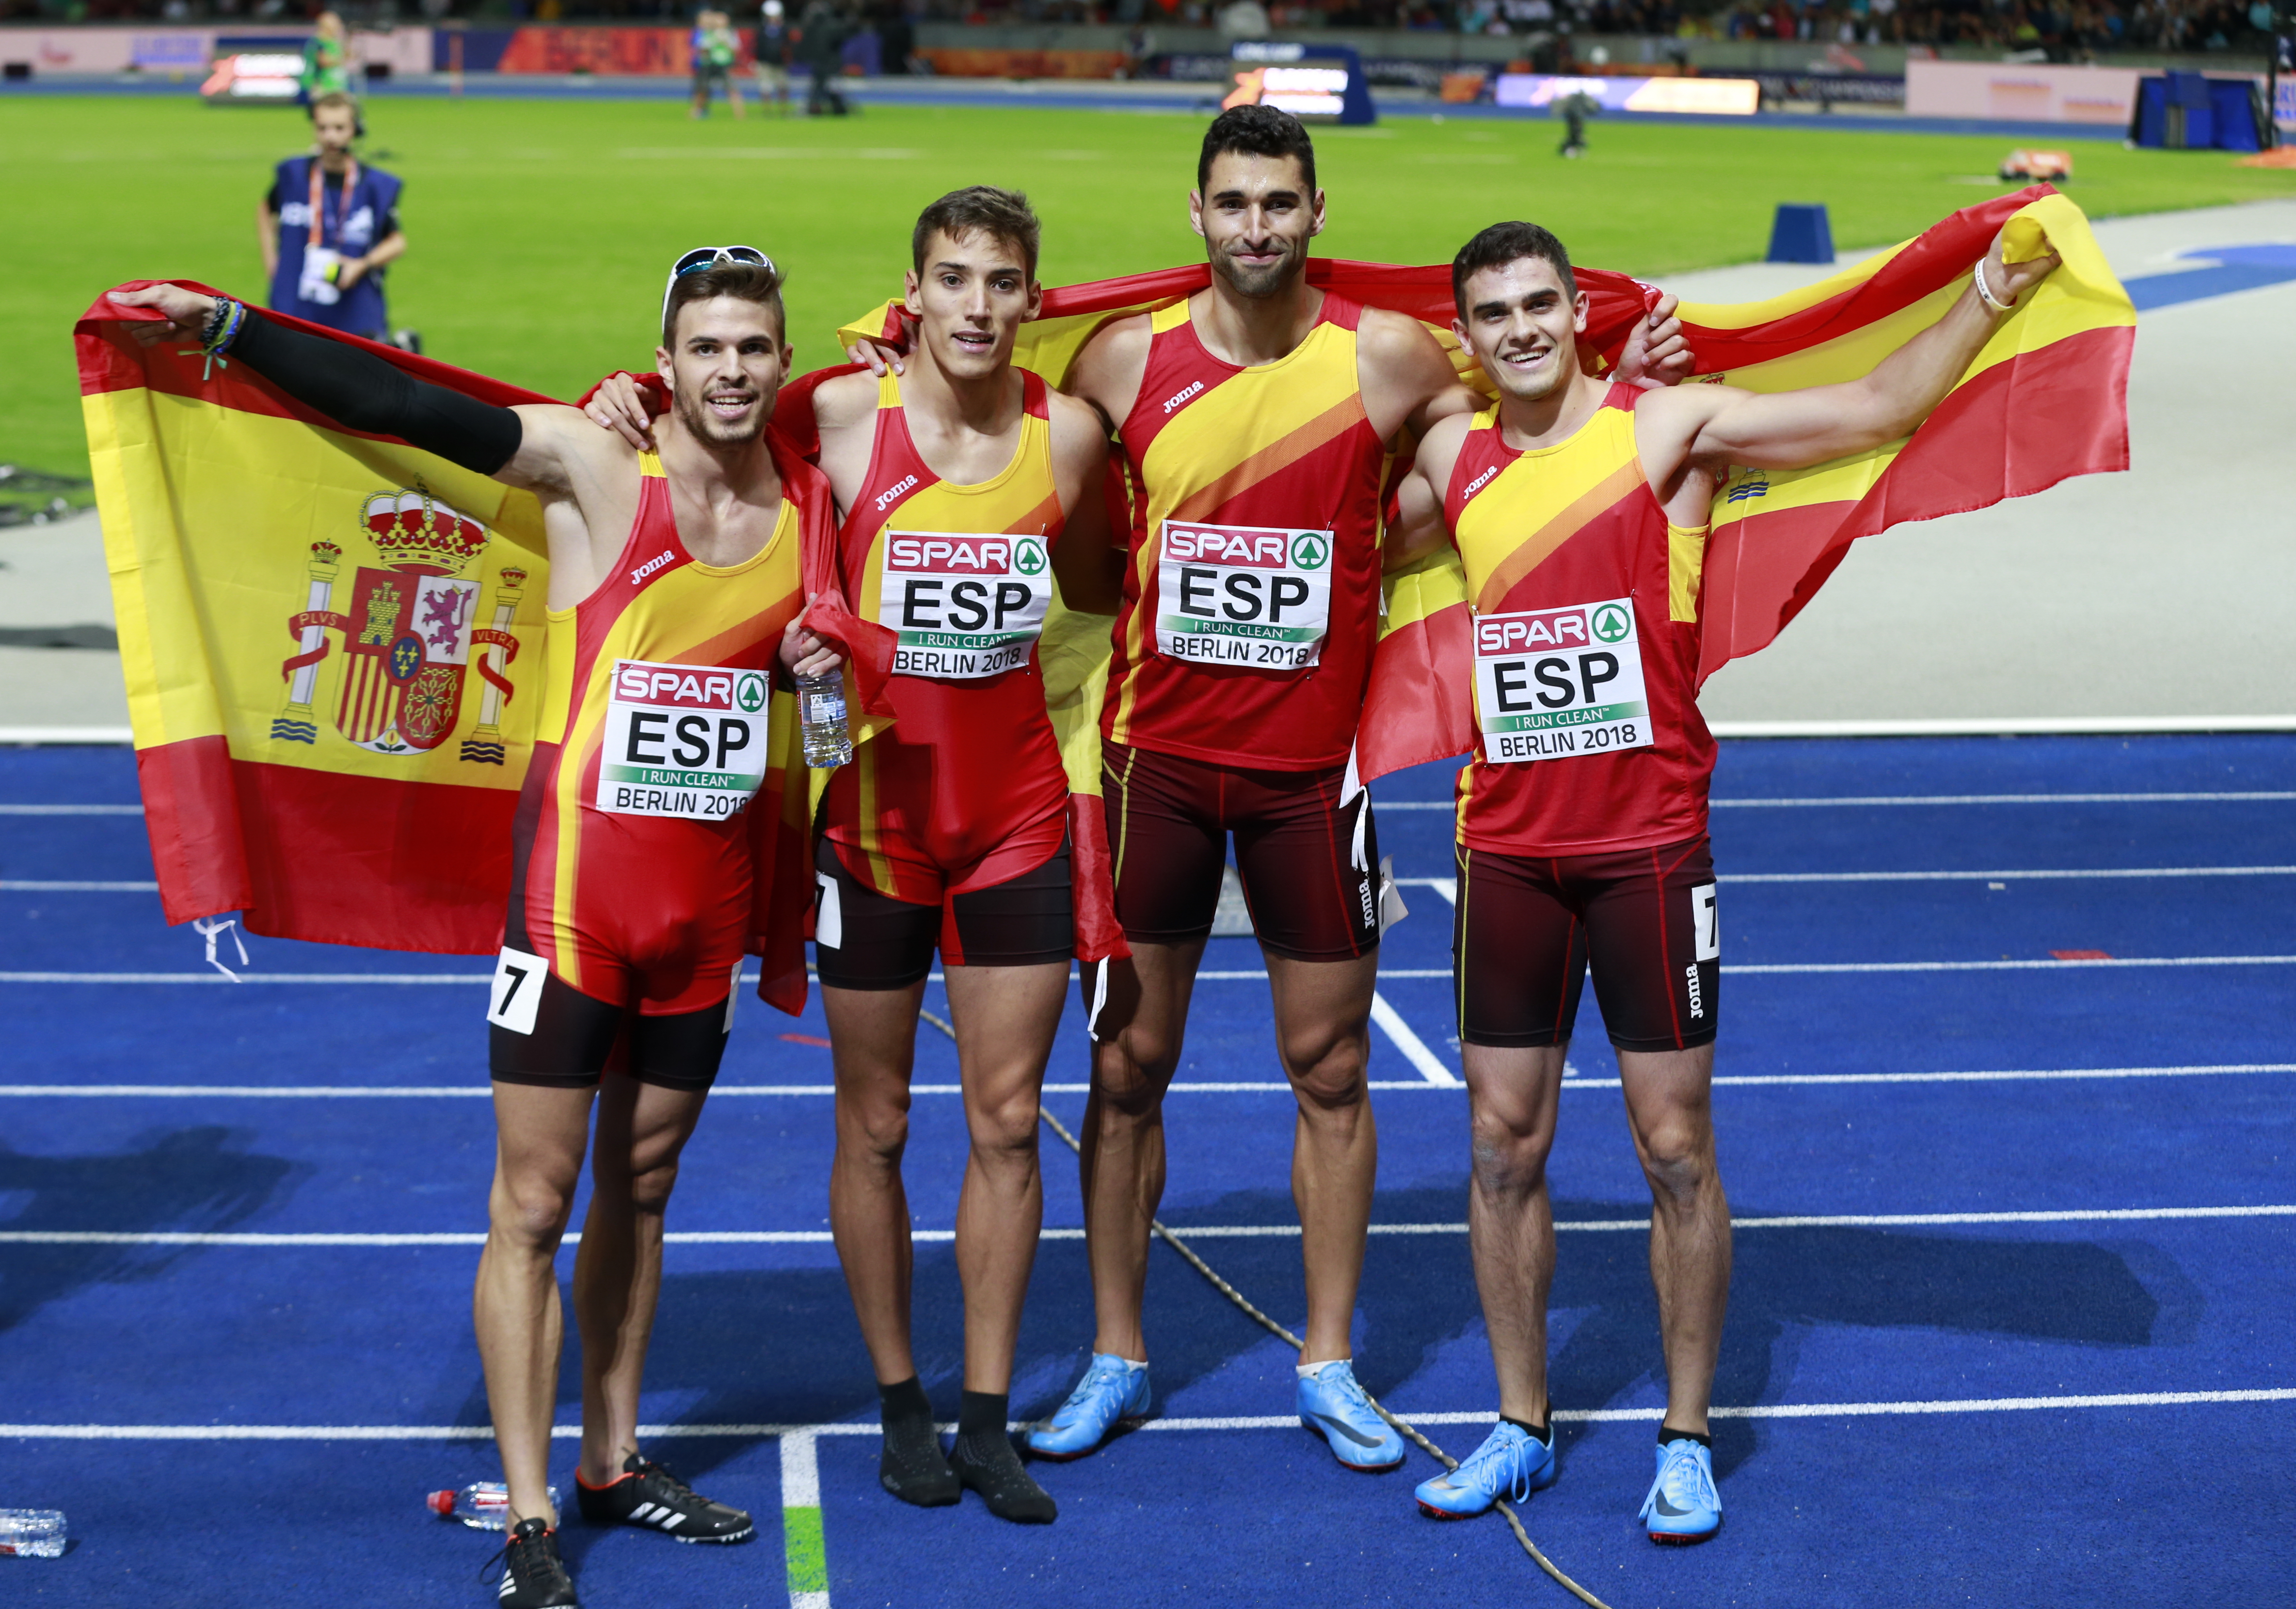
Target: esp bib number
x=1242 y=595
x=963 y=606
x=1552 y=684
x=681 y=740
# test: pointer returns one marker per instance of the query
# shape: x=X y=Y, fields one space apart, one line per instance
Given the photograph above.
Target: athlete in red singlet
x=967 y=485
x=673 y=592
x=1580 y=510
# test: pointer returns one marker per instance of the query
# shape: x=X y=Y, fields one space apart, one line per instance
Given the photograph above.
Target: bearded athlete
x=675 y=589
x=1581 y=509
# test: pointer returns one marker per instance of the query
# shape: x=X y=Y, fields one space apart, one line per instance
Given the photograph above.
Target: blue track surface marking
x=2016 y=1238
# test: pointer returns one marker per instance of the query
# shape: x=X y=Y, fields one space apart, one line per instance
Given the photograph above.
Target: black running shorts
x=570 y=1039
x=1312 y=889
x=865 y=939
x=1527 y=930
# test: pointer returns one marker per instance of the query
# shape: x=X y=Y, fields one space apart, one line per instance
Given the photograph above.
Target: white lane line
x=1414 y=1048
x=1448 y=886
x=70 y=809
x=1874 y=800
x=44 y=886
x=814 y=1237
x=312 y=1092
x=333 y=980
x=661 y=1432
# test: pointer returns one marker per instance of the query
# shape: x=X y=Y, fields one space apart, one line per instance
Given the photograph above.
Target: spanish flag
x=2047 y=399
x=2044 y=400
x=333 y=645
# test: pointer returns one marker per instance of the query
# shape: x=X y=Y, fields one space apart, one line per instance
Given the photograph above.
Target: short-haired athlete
x=675 y=589
x=966 y=486
x=1257 y=419
x=1581 y=509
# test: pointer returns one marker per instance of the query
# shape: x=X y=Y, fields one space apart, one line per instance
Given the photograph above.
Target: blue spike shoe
x=1512 y=1463
x=1683 y=1506
x=1112 y=1396
x=1334 y=1407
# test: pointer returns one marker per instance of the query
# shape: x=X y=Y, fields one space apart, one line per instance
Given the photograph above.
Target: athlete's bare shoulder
x=845 y=401
x=1407 y=378
x=1107 y=372
x=560 y=451
x=1076 y=428
x=1439 y=448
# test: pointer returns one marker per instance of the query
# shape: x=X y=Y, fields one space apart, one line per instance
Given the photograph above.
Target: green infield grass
x=540 y=230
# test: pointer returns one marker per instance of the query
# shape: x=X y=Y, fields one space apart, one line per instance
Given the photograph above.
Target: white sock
x=1306 y=1369
x=1135 y=1367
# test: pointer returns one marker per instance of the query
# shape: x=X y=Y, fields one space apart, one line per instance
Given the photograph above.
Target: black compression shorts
x=865 y=939
x=1527 y=928
x=1312 y=890
x=575 y=1038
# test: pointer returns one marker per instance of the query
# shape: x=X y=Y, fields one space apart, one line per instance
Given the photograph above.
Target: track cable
x=1403 y=1427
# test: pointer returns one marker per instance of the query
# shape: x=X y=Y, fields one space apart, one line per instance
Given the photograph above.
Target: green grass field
x=540 y=230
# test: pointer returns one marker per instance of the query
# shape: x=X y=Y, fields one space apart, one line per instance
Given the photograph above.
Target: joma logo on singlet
x=1176 y=400
x=885 y=499
x=651 y=565
x=1477 y=484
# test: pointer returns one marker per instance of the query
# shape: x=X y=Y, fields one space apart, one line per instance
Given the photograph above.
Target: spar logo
x=966 y=556
x=1506 y=634
x=1252 y=549
x=1309 y=551
x=679 y=687
x=1614 y=624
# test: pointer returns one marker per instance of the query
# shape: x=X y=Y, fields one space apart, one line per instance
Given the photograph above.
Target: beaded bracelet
x=222 y=326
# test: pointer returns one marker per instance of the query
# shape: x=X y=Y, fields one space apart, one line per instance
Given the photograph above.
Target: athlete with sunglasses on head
x=631 y=904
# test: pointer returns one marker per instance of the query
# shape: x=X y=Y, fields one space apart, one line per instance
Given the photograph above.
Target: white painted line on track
x=313 y=1092
x=1414 y=1048
x=71 y=810
x=661 y=1432
x=813 y=1237
x=1868 y=800
x=41 y=886
x=335 y=980
x=1448 y=886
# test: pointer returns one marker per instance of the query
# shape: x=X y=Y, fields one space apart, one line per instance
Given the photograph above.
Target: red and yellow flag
x=333 y=648
x=2044 y=400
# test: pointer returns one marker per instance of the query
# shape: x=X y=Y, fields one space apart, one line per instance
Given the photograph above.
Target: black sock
x=981 y=1413
x=1666 y=1435
x=1544 y=1434
x=903 y=1400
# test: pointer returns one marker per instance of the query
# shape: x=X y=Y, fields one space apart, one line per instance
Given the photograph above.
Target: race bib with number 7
x=1242 y=595
x=1551 y=684
x=681 y=740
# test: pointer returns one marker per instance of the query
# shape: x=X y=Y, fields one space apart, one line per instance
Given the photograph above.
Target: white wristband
x=1985 y=291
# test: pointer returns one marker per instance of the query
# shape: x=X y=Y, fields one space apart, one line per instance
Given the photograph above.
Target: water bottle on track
x=482 y=1506
x=821 y=711
x=32 y=1533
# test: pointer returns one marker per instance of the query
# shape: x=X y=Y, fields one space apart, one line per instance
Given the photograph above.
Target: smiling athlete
x=675 y=590
x=967 y=485
x=1581 y=509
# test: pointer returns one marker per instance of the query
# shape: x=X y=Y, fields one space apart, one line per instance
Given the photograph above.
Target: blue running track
x=2006 y=1119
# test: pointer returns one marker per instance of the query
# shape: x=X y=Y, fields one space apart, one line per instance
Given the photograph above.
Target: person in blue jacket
x=329 y=227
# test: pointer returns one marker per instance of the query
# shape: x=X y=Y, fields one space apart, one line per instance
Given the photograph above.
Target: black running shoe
x=534 y=1576
x=650 y=1496
x=986 y=1463
x=911 y=1466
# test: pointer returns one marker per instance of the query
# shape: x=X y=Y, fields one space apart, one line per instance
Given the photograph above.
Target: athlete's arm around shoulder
x=845 y=420
x=1086 y=561
x=1715 y=426
x=1418 y=529
x=1407 y=379
x=1108 y=371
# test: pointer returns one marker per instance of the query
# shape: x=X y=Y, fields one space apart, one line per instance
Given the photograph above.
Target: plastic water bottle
x=483 y=1505
x=821 y=711
x=32 y=1533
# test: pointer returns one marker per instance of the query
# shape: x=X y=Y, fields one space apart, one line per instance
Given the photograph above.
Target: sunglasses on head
x=711 y=257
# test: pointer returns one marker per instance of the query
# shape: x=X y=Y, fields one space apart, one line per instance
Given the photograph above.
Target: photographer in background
x=329 y=227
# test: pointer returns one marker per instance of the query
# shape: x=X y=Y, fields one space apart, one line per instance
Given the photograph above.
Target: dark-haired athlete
x=1581 y=511
x=967 y=485
x=631 y=906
